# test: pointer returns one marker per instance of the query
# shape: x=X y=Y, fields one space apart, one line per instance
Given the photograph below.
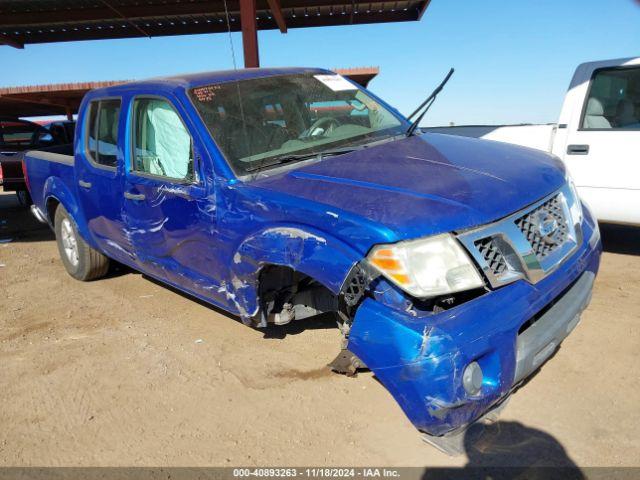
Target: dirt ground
x=124 y=371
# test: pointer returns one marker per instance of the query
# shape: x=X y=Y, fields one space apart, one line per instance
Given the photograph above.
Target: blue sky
x=513 y=59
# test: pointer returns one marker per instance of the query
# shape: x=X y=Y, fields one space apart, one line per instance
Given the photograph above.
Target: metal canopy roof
x=65 y=98
x=39 y=21
x=40 y=100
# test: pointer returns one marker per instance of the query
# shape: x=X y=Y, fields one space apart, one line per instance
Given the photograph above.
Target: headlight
x=576 y=206
x=426 y=267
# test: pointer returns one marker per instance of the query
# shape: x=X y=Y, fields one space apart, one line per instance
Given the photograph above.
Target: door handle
x=84 y=184
x=134 y=196
x=577 y=149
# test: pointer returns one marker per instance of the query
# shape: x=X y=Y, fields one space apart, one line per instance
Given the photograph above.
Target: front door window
x=162 y=145
x=614 y=100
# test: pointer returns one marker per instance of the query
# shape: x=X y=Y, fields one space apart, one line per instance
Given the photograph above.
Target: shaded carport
x=43 y=100
x=24 y=22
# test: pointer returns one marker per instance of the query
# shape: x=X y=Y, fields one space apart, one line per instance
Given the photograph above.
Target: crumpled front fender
x=421 y=364
x=420 y=357
x=304 y=249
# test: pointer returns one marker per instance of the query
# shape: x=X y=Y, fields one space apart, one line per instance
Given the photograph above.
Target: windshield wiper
x=297 y=157
x=426 y=105
x=282 y=160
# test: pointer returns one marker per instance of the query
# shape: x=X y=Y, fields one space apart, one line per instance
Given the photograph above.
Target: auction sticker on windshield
x=336 y=83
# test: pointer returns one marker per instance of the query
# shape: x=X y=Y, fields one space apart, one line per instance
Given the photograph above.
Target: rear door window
x=102 y=132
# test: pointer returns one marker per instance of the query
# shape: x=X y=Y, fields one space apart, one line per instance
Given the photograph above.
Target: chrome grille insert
x=529 y=244
x=492 y=254
x=531 y=224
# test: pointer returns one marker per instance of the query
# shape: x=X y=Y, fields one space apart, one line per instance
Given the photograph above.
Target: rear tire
x=80 y=260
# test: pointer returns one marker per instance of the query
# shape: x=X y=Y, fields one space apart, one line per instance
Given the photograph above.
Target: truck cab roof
x=191 y=80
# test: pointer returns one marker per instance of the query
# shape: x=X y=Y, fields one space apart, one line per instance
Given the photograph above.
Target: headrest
x=625 y=108
x=594 y=107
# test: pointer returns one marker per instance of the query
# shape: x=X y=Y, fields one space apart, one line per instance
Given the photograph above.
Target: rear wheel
x=80 y=260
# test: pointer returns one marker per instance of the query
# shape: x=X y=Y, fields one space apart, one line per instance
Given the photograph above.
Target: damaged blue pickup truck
x=454 y=266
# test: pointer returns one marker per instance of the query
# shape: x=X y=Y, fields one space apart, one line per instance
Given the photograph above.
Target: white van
x=597 y=136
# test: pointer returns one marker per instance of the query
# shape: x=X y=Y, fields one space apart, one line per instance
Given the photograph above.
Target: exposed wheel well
x=286 y=295
x=51 y=206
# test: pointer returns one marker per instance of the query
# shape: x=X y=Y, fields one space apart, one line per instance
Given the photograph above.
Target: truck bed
x=13 y=177
x=53 y=166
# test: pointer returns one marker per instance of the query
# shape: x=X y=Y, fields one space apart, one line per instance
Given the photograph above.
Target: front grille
x=528 y=244
x=532 y=226
x=492 y=255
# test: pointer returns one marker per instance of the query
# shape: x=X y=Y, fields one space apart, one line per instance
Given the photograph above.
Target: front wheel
x=79 y=259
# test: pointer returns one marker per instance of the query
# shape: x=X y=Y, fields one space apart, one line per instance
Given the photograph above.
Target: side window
x=613 y=102
x=16 y=134
x=334 y=108
x=102 y=127
x=274 y=115
x=356 y=110
x=161 y=143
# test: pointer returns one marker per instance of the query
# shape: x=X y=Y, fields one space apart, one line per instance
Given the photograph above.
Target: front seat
x=625 y=113
x=594 y=116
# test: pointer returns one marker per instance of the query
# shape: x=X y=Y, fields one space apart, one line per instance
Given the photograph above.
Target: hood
x=426 y=184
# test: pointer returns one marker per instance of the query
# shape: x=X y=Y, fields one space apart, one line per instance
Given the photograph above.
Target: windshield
x=260 y=121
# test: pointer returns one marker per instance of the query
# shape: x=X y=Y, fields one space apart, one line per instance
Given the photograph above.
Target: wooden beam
x=10 y=42
x=249 y=33
x=276 y=10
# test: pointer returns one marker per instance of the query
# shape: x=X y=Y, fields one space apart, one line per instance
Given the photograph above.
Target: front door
x=603 y=152
x=168 y=222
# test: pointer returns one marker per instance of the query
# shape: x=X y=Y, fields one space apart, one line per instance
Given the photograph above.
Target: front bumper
x=509 y=332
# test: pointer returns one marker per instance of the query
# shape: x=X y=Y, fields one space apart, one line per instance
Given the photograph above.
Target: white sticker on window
x=336 y=82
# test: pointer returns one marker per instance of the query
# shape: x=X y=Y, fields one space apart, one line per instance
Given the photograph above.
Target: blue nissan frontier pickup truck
x=454 y=266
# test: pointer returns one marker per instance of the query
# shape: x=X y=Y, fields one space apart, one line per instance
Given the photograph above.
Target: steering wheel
x=326 y=124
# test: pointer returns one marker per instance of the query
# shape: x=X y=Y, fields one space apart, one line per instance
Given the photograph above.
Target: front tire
x=80 y=260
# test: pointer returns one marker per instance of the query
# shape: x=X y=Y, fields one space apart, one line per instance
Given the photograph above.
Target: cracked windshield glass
x=265 y=122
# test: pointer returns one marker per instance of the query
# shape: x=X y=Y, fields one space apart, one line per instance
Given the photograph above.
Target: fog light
x=472 y=378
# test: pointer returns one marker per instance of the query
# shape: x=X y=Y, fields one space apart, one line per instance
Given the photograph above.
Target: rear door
x=99 y=174
x=170 y=218
x=603 y=147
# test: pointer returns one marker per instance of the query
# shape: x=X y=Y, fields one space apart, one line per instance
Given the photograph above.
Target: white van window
x=614 y=100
